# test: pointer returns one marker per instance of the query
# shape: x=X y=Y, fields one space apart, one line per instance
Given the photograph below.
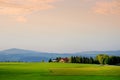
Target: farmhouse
x=64 y=60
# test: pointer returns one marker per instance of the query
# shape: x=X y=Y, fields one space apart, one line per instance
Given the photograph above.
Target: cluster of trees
x=105 y=59
x=99 y=59
x=80 y=59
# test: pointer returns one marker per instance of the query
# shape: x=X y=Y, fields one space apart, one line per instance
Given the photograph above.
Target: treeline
x=86 y=60
x=99 y=59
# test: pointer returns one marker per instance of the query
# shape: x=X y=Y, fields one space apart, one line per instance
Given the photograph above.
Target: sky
x=62 y=26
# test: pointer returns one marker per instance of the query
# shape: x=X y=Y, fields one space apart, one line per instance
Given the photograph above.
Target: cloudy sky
x=60 y=25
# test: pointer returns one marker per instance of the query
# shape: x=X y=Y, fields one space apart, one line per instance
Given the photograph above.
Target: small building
x=64 y=60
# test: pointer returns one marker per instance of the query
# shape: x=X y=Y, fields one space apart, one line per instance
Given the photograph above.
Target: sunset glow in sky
x=60 y=25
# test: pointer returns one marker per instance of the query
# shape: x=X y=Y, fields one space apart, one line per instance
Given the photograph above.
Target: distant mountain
x=15 y=51
x=15 y=54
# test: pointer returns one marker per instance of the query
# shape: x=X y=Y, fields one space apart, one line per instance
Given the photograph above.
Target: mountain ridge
x=18 y=49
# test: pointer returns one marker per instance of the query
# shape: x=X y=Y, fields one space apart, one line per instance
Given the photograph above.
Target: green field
x=58 y=71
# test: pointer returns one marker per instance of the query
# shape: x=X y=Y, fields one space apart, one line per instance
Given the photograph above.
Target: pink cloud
x=103 y=6
x=24 y=7
x=107 y=7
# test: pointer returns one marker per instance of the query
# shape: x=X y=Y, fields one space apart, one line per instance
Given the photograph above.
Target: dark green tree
x=50 y=60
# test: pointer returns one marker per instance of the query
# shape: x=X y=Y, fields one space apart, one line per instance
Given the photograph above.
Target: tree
x=102 y=58
x=71 y=59
x=114 y=60
x=106 y=61
x=50 y=60
x=77 y=59
x=91 y=60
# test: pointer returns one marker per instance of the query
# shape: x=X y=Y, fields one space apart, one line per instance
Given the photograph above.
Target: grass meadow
x=58 y=71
